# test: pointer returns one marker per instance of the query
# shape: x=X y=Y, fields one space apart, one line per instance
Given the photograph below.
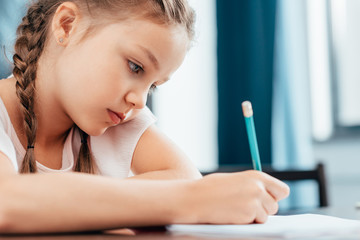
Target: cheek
x=87 y=71
x=90 y=82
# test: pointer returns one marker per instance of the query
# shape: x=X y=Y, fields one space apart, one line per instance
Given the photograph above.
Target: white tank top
x=113 y=150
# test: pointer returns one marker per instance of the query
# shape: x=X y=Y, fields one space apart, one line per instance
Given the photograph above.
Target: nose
x=137 y=99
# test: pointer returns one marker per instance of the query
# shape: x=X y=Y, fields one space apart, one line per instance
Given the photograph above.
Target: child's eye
x=152 y=89
x=134 y=67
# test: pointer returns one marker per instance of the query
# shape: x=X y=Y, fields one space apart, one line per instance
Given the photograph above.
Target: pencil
x=250 y=128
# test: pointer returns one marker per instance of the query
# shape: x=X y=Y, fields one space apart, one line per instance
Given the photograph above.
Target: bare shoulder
x=7 y=89
x=11 y=101
x=156 y=152
x=8 y=95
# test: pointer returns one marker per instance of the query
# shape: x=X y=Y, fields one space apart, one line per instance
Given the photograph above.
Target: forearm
x=80 y=202
x=169 y=174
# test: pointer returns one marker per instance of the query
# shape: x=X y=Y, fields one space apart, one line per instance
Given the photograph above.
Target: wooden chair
x=317 y=174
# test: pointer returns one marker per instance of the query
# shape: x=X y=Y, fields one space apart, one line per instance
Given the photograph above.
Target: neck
x=53 y=124
x=48 y=135
x=53 y=121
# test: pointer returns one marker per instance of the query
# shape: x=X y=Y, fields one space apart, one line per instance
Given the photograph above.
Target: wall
x=186 y=106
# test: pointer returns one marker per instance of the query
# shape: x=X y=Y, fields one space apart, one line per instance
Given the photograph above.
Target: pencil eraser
x=247 y=109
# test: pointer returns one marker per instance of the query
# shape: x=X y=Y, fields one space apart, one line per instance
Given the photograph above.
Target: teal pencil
x=250 y=128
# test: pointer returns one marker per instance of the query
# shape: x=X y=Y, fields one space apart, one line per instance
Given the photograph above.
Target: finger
x=276 y=188
x=269 y=204
x=261 y=215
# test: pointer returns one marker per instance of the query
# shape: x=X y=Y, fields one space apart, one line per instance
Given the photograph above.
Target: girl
x=84 y=68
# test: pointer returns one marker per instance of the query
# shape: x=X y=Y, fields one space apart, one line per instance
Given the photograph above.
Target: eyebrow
x=150 y=56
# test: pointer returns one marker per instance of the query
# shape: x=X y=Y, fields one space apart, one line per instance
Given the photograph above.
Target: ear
x=65 y=22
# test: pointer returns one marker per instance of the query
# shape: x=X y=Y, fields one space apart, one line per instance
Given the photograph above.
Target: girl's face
x=104 y=80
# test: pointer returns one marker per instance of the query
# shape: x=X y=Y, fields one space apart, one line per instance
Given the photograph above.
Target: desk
x=161 y=234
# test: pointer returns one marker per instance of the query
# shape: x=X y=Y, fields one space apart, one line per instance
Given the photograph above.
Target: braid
x=28 y=48
x=85 y=162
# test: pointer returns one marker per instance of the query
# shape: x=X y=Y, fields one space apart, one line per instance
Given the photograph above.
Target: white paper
x=292 y=226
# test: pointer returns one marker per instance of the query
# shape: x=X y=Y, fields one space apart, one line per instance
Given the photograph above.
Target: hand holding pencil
x=249 y=196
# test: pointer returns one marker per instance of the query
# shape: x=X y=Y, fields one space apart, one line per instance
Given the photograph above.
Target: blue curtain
x=245 y=72
x=292 y=139
x=11 y=13
x=262 y=48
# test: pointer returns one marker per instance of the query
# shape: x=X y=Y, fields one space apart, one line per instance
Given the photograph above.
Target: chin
x=94 y=131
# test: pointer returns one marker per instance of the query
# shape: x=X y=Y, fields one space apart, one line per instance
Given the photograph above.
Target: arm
x=157 y=157
x=43 y=203
x=33 y=203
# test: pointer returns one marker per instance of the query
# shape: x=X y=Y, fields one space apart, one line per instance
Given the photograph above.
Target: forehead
x=160 y=42
x=148 y=33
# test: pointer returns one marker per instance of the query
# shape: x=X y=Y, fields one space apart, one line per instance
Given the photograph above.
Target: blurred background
x=295 y=60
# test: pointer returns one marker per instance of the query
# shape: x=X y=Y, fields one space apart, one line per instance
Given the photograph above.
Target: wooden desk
x=161 y=234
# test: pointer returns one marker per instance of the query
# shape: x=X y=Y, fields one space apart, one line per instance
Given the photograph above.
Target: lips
x=115 y=117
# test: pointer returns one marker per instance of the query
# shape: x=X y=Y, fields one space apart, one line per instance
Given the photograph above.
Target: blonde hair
x=31 y=39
